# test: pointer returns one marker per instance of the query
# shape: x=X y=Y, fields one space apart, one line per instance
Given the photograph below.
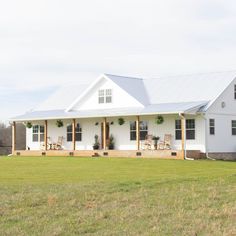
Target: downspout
x=185 y=151
x=206 y=139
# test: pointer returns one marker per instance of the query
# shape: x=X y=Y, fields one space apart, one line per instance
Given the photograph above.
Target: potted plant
x=121 y=121
x=111 y=144
x=59 y=123
x=155 y=139
x=96 y=143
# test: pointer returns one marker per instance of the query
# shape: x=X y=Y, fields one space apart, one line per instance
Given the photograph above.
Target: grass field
x=103 y=196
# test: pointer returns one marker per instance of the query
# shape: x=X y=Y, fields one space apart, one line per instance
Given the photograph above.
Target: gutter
x=206 y=139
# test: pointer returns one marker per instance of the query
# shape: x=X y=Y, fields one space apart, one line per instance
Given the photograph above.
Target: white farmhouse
x=193 y=116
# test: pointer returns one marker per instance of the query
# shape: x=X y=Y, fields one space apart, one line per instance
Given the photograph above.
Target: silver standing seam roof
x=167 y=95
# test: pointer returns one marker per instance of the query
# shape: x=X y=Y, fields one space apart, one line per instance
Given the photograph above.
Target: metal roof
x=165 y=108
x=161 y=95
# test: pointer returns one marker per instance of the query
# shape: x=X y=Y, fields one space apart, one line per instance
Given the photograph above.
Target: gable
x=226 y=102
x=120 y=97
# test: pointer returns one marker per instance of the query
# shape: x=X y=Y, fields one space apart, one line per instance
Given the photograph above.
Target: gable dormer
x=107 y=93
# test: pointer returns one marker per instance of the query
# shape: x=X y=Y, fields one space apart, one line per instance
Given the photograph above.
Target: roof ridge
x=191 y=74
x=123 y=76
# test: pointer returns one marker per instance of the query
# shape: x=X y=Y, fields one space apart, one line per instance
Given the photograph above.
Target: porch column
x=73 y=133
x=183 y=135
x=104 y=133
x=13 y=128
x=138 y=132
x=46 y=134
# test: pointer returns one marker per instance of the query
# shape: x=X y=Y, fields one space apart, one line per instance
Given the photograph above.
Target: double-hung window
x=38 y=133
x=143 y=130
x=233 y=127
x=78 y=133
x=212 y=126
x=178 y=132
x=190 y=129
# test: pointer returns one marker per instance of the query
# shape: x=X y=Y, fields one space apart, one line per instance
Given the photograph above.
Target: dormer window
x=104 y=96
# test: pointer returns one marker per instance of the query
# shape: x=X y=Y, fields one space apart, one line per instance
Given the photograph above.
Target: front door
x=107 y=132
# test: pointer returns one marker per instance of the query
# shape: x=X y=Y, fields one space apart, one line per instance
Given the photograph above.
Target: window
x=212 y=126
x=78 y=133
x=235 y=91
x=132 y=130
x=143 y=126
x=233 y=127
x=178 y=134
x=108 y=96
x=38 y=133
x=101 y=96
x=104 y=96
x=69 y=133
x=190 y=129
x=143 y=129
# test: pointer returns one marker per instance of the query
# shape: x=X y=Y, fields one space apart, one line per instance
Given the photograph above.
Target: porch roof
x=163 y=108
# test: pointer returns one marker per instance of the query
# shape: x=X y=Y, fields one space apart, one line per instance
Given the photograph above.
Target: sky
x=45 y=44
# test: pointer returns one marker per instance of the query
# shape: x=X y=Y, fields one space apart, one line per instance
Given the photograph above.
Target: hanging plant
x=29 y=125
x=159 y=120
x=59 y=123
x=121 y=121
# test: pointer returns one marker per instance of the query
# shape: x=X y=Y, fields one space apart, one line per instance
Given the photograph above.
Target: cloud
x=49 y=43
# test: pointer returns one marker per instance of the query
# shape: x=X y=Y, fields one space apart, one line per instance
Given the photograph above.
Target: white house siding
x=121 y=133
x=223 y=140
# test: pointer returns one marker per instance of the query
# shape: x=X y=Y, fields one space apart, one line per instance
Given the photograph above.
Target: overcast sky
x=47 y=43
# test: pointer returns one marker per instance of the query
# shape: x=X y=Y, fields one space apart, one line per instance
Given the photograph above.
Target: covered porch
x=131 y=139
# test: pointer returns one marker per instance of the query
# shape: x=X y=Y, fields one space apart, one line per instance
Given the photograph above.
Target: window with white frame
x=38 y=133
x=78 y=133
x=233 y=127
x=104 y=96
x=190 y=129
x=143 y=126
x=212 y=126
x=108 y=95
x=178 y=131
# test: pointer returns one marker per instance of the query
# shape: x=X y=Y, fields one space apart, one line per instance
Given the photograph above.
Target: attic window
x=104 y=96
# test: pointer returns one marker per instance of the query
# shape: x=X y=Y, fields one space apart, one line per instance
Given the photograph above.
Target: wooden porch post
x=183 y=135
x=13 y=137
x=104 y=133
x=73 y=133
x=138 y=132
x=46 y=134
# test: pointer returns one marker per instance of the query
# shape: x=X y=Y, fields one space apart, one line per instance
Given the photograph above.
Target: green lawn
x=103 y=196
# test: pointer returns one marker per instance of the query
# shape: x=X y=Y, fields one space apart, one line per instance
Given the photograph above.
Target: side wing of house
x=221 y=122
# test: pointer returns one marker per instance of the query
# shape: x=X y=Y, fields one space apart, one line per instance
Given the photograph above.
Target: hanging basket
x=159 y=120
x=121 y=121
x=59 y=123
x=29 y=125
